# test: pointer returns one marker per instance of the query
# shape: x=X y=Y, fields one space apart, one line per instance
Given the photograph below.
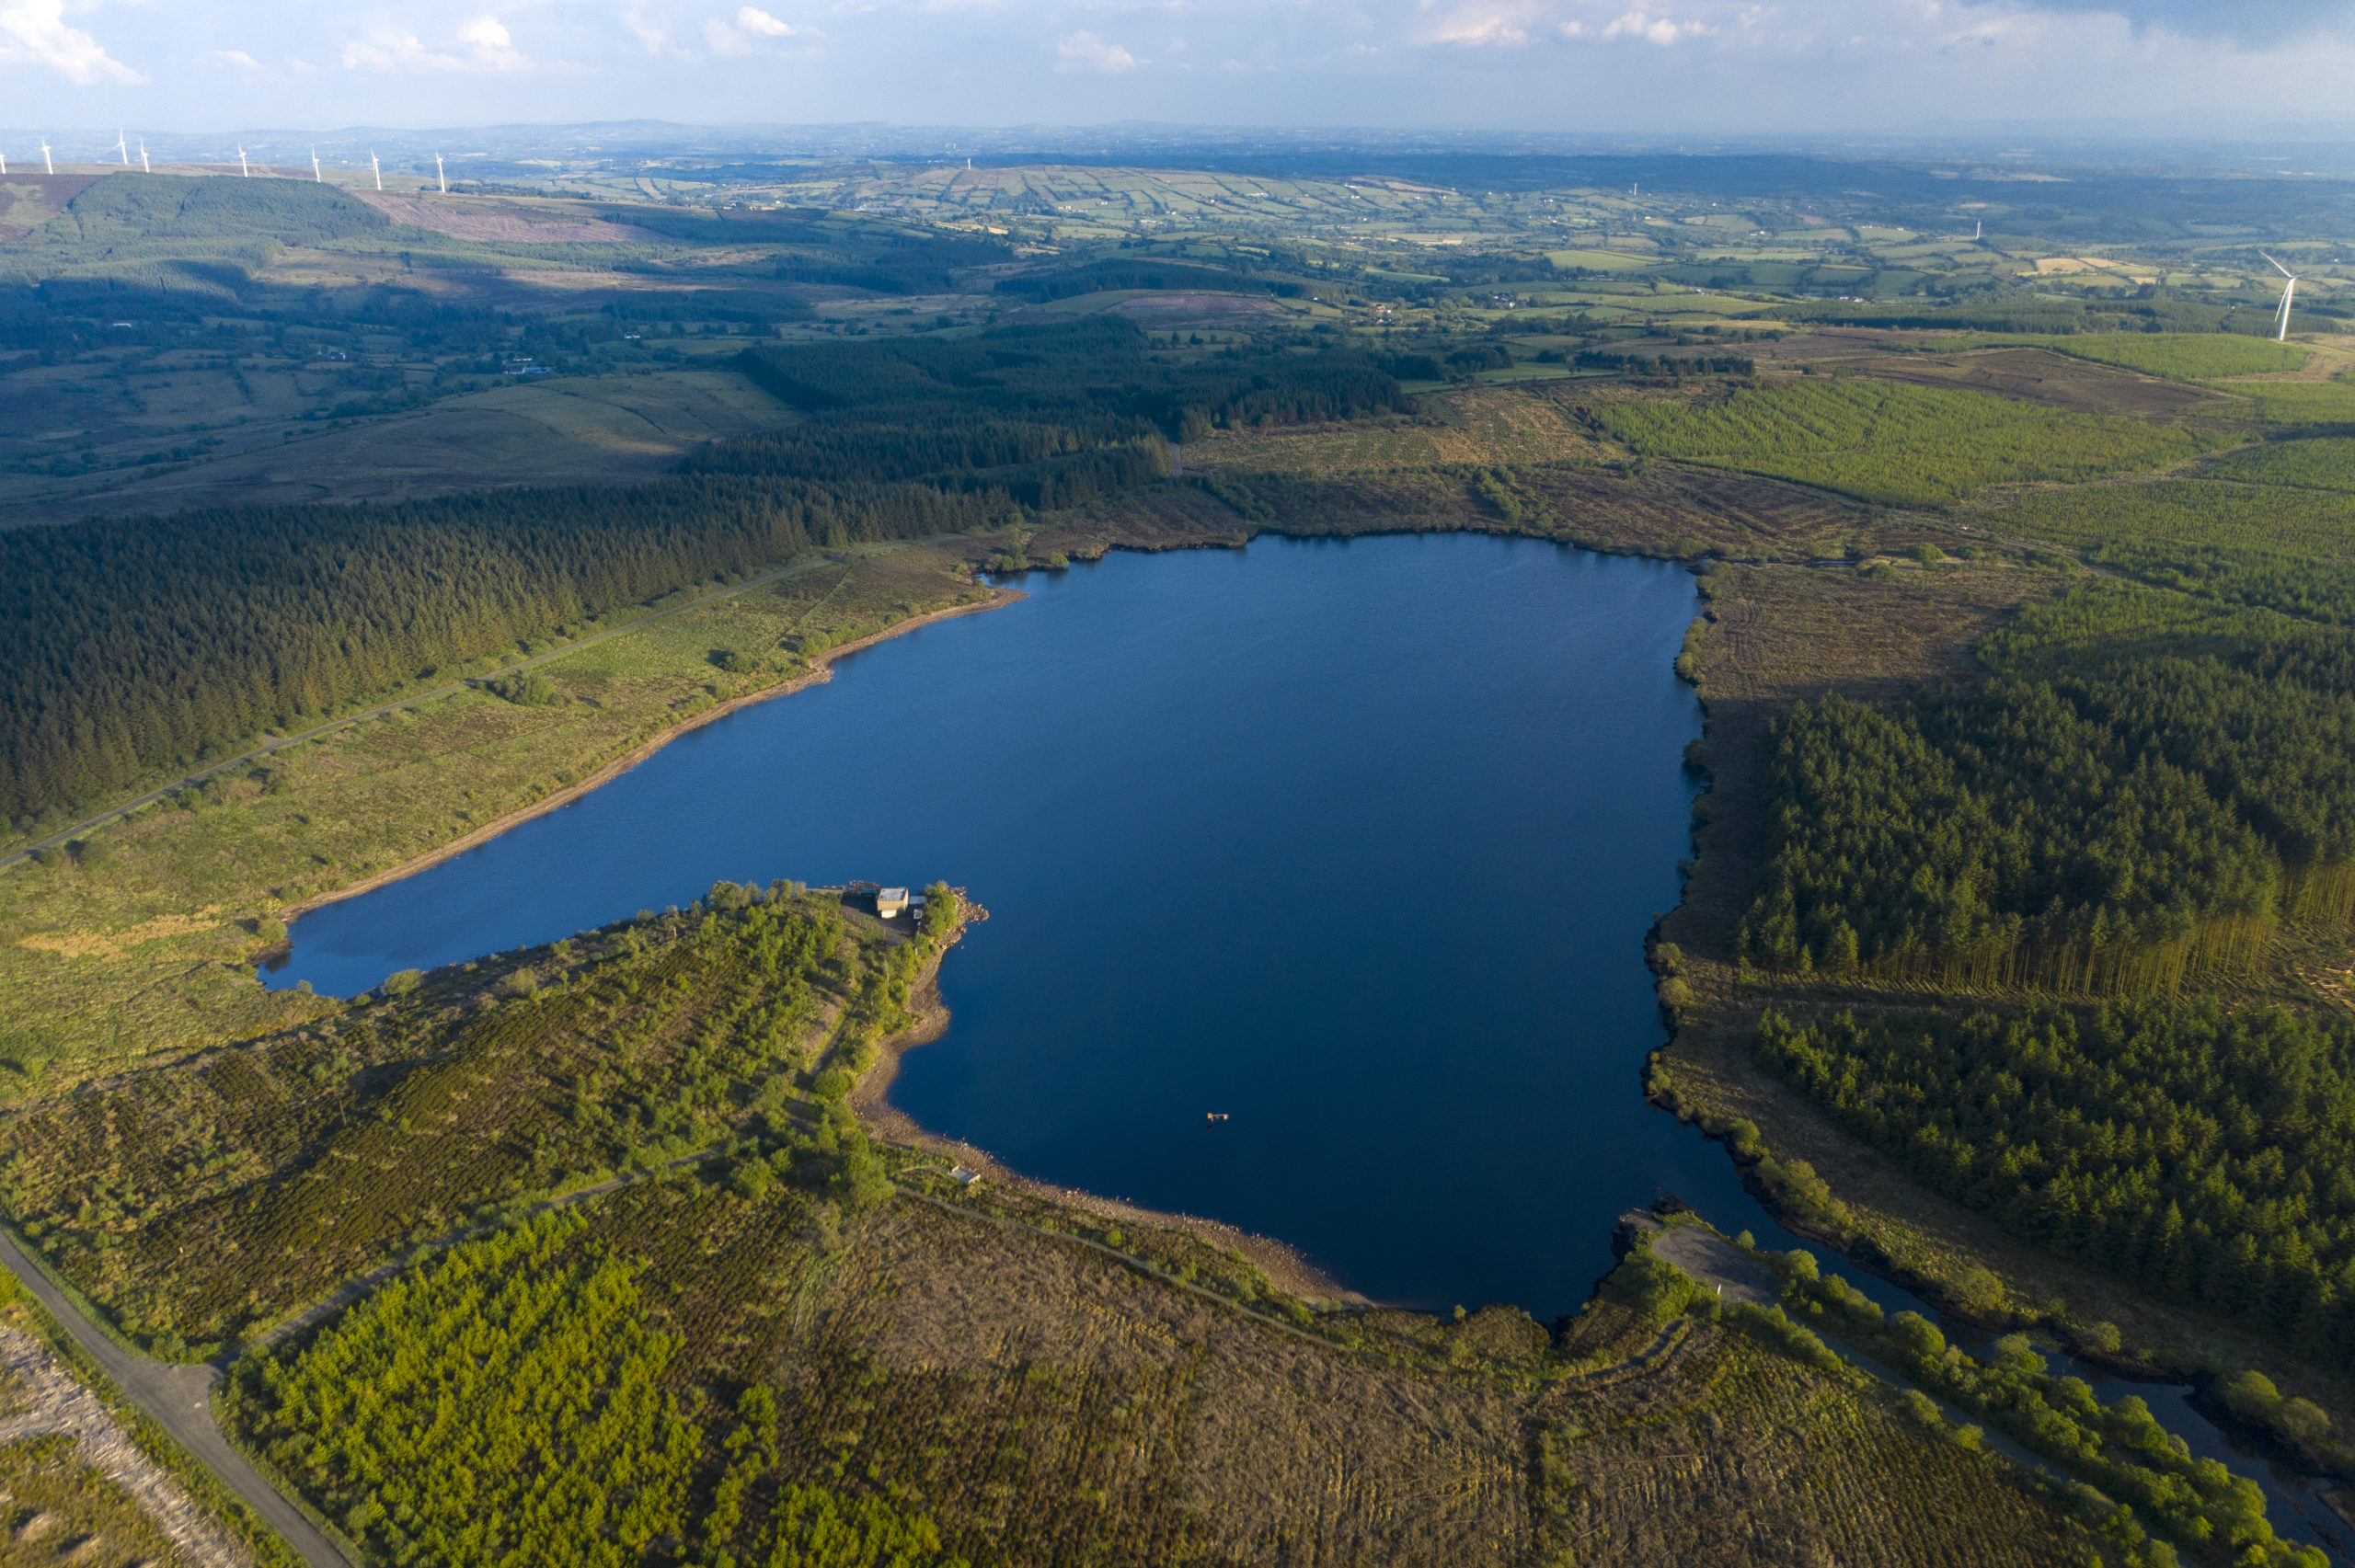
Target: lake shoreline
x=822 y=670
x=1284 y=1264
x=1378 y=1257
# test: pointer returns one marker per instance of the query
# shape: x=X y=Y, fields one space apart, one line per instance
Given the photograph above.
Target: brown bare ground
x=2056 y=380
x=1690 y=1445
x=48 y=1400
x=1291 y=1451
x=1780 y=1466
x=28 y=201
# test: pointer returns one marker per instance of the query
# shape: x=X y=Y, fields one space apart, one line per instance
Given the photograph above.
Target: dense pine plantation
x=129 y=646
x=132 y=645
x=2146 y=787
x=2209 y=1156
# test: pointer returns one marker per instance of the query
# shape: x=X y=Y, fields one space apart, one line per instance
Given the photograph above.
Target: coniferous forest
x=2141 y=791
x=134 y=644
x=2209 y=1155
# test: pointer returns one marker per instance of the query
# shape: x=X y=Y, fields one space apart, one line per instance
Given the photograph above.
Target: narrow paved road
x=179 y=1398
x=267 y=746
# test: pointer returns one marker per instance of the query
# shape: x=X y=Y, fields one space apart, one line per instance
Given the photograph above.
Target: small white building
x=890 y=901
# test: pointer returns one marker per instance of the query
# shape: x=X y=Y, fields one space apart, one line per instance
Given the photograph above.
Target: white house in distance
x=890 y=901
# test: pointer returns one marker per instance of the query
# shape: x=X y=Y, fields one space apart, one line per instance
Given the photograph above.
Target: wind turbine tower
x=241 y=162
x=376 y=169
x=46 y=162
x=122 y=147
x=1979 y=229
x=142 y=156
x=2281 y=328
x=4 y=163
x=317 y=178
x=439 y=175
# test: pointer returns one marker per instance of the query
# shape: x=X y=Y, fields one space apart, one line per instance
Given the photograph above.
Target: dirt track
x=179 y=1399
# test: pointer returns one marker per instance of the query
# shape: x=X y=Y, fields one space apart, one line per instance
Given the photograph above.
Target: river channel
x=1352 y=843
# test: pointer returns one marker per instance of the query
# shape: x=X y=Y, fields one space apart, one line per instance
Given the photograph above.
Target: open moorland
x=2014 y=956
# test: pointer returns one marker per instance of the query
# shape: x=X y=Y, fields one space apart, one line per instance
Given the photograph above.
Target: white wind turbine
x=46 y=162
x=2281 y=328
x=376 y=169
x=439 y=175
x=144 y=168
x=122 y=147
x=241 y=162
x=317 y=178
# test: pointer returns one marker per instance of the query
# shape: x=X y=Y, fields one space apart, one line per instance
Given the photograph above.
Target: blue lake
x=1353 y=841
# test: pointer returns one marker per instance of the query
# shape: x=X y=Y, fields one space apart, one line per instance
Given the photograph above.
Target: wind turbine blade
x=2277 y=267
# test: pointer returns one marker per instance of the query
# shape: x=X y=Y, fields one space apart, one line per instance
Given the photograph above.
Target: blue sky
x=2188 y=66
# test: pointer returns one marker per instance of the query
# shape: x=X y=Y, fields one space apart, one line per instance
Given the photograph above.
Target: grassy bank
x=140 y=941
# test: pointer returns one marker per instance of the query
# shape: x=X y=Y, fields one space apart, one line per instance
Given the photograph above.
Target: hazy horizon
x=2169 y=69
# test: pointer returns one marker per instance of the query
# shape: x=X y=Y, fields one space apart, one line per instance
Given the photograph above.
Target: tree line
x=132 y=645
x=2207 y=1155
x=128 y=645
x=1666 y=364
x=1095 y=277
x=2140 y=792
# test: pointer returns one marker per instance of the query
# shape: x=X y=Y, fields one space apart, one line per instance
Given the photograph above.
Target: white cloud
x=652 y=33
x=753 y=19
x=1086 y=51
x=1653 y=30
x=1500 y=26
x=238 y=58
x=35 y=31
x=2004 y=27
x=492 y=48
x=722 y=37
x=1509 y=24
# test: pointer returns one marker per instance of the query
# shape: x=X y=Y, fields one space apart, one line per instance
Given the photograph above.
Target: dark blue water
x=1356 y=843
